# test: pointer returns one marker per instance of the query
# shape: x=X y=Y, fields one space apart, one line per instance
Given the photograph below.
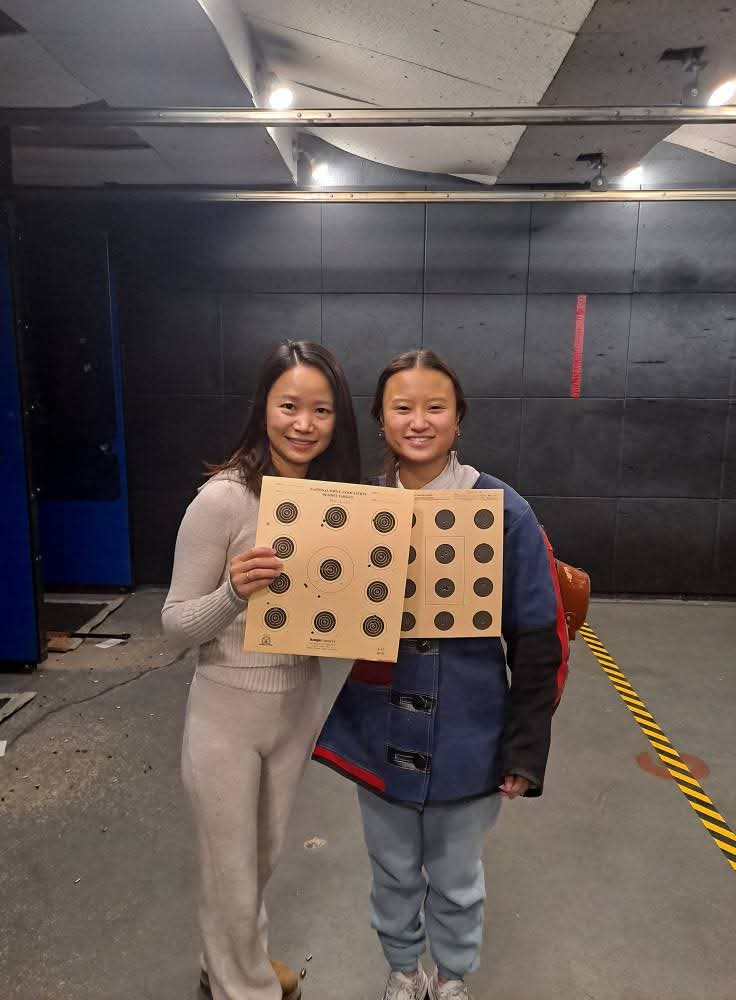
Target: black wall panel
x=373 y=248
x=682 y=345
x=635 y=480
x=665 y=546
x=687 y=248
x=583 y=248
x=252 y=325
x=673 y=447
x=570 y=447
x=360 y=328
x=482 y=336
x=548 y=345
x=477 y=248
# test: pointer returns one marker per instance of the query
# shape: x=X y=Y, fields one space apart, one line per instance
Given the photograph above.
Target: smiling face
x=300 y=419
x=420 y=422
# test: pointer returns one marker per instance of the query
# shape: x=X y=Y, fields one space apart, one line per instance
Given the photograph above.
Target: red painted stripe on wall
x=577 y=348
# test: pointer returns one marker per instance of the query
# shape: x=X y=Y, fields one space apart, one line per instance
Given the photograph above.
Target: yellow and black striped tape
x=714 y=823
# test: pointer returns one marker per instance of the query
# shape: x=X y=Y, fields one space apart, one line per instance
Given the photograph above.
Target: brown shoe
x=288 y=980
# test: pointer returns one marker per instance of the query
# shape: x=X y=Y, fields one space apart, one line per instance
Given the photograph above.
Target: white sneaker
x=401 y=987
x=453 y=989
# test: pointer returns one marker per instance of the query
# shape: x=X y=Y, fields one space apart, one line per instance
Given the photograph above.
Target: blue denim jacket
x=443 y=724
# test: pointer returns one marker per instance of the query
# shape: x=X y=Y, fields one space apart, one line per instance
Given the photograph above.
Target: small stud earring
x=458 y=433
x=380 y=433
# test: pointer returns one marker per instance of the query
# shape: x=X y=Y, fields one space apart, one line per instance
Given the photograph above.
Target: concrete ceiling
x=337 y=53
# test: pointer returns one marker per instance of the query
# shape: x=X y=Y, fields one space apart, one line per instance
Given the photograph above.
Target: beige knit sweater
x=202 y=609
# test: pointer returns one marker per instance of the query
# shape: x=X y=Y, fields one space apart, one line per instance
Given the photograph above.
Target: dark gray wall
x=635 y=480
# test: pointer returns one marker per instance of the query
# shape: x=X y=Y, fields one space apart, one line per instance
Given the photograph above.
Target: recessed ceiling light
x=634 y=178
x=281 y=98
x=723 y=94
x=321 y=172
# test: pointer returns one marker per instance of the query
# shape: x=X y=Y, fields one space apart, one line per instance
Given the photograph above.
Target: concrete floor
x=608 y=888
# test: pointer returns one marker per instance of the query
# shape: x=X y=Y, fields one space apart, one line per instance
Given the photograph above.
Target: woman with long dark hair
x=436 y=741
x=251 y=717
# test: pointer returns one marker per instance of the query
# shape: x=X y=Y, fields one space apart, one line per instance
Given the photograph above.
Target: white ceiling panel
x=144 y=53
x=30 y=77
x=465 y=40
x=615 y=61
x=718 y=141
x=434 y=54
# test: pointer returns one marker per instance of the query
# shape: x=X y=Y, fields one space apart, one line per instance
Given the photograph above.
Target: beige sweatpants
x=242 y=757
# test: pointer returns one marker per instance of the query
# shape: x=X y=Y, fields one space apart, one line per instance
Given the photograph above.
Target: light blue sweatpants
x=427 y=872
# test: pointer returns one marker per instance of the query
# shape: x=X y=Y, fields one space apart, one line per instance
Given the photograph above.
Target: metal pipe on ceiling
x=169 y=195
x=397 y=117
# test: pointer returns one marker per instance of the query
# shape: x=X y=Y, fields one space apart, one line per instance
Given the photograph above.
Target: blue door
x=20 y=641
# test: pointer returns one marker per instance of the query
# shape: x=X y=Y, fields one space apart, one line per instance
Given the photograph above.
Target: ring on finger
x=247 y=575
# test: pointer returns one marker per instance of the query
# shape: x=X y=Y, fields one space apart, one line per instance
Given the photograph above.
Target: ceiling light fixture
x=280 y=97
x=633 y=178
x=321 y=172
x=723 y=94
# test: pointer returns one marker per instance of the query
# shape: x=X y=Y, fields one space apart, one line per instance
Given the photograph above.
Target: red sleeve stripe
x=351 y=769
x=561 y=623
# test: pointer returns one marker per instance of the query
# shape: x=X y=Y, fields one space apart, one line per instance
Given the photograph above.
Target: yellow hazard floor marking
x=704 y=808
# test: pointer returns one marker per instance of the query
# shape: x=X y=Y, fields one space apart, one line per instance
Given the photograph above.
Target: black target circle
x=444 y=554
x=444 y=621
x=483 y=518
x=483 y=586
x=287 y=512
x=408 y=621
x=373 y=626
x=384 y=521
x=376 y=591
x=444 y=587
x=413 y=520
x=324 y=621
x=483 y=553
x=381 y=556
x=283 y=547
x=410 y=589
x=412 y=553
x=444 y=519
x=482 y=620
x=330 y=570
x=336 y=517
x=275 y=618
x=281 y=584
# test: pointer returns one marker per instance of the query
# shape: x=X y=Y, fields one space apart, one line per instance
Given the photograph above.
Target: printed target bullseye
x=275 y=618
x=373 y=626
x=384 y=522
x=283 y=547
x=376 y=591
x=330 y=570
x=324 y=621
x=281 y=584
x=381 y=556
x=287 y=512
x=336 y=517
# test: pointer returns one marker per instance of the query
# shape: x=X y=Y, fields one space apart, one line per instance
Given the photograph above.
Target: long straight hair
x=339 y=462
x=405 y=362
